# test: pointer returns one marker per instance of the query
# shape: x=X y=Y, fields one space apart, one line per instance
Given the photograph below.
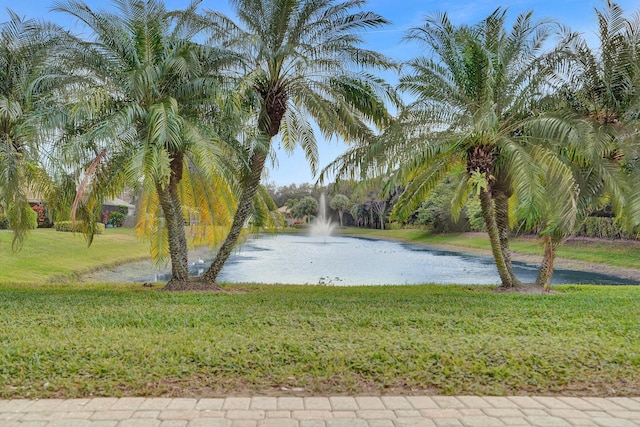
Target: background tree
x=379 y=206
x=436 y=211
x=305 y=208
x=339 y=203
x=292 y=191
x=360 y=214
x=303 y=62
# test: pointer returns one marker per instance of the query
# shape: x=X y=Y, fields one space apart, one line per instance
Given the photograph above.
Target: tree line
x=184 y=106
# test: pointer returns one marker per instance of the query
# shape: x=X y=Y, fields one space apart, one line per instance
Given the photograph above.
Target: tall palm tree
x=475 y=96
x=148 y=110
x=23 y=76
x=302 y=61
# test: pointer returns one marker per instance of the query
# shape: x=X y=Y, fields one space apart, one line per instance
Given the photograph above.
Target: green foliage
x=306 y=207
x=339 y=202
x=116 y=218
x=305 y=63
x=435 y=212
x=123 y=339
x=152 y=111
x=28 y=221
x=604 y=227
x=32 y=220
x=478 y=181
x=24 y=76
x=286 y=194
x=77 y=227
x=31 y=223
x=474 y=214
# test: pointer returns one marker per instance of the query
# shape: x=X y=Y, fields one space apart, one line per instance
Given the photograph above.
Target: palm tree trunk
x=171 y=207
x=249 y=190
x=545 y=273
x=274 y=106
x=488 y=213
x=501 y=203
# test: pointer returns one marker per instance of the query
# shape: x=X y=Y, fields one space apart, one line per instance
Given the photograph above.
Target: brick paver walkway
x=339 y=411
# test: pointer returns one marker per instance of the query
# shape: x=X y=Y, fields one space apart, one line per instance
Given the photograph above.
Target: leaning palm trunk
x=249 y=189
x=274 y=99
x=545 y=273
x=501 y=203
x=488 y=213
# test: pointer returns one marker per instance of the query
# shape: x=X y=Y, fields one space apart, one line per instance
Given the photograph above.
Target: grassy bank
x=619 y=253
x=80 y=340
x=49 y=255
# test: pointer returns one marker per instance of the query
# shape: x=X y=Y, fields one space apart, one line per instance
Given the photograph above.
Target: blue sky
x=404 y=14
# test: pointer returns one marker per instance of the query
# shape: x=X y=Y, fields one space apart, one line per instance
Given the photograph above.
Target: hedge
x=603 y=227
x=32 y=218
x=69 y=226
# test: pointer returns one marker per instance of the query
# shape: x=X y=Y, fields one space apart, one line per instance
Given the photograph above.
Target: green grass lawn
x=49 y=255
x=71 y=340
x=619 y=253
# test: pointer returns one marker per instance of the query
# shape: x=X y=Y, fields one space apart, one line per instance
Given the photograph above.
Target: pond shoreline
x=560 y=263
x=335 y=274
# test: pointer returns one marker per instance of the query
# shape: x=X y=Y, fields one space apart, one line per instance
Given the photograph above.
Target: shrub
x=602 y=227
x=116 y=219
x=4 y=222
x=68 y=226
x=32 y=220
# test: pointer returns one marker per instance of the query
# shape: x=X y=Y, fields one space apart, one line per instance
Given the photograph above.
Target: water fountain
x=322 y=225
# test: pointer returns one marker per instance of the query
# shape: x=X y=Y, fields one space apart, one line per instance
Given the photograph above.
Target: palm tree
x=603 y=89
x=147 y=111
x=339 y=202
x=475 y=97
x=302 y=61
x=605 y=80
x=23 y=77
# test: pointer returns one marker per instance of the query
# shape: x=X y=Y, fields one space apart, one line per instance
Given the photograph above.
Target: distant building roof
x=118 y=202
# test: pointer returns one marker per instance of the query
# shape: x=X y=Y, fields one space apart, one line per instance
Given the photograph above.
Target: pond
x=346 y=261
